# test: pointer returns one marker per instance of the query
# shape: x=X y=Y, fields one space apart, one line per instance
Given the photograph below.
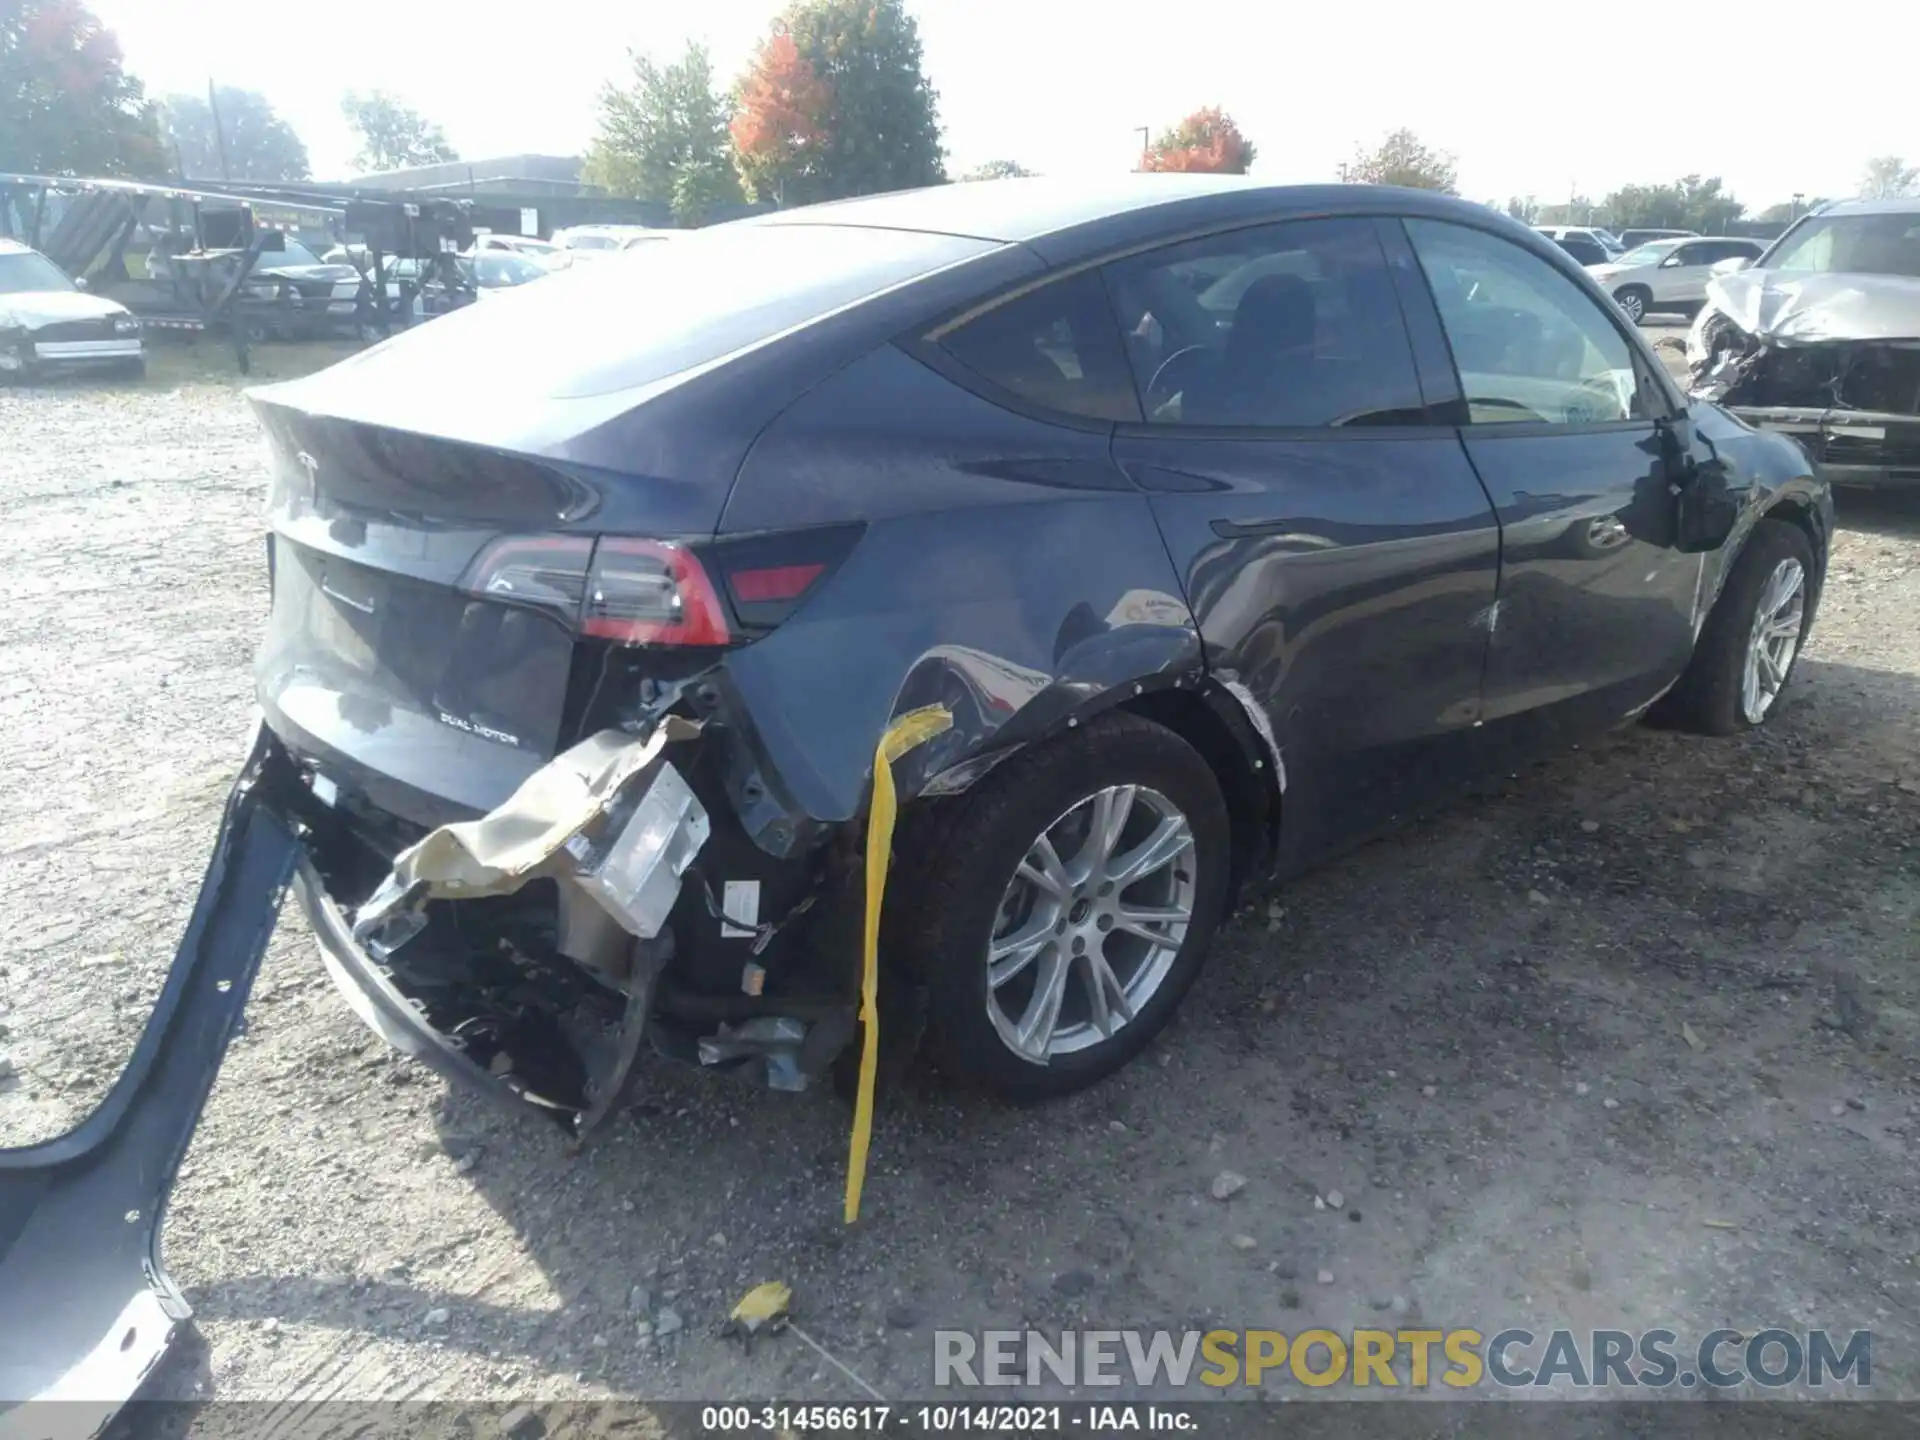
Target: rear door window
x=1055 y=347
x=1277 y=326
x=1531 y=346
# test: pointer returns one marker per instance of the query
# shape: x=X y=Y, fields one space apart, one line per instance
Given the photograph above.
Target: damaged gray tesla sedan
x=1820 y=340
x=1121 y=543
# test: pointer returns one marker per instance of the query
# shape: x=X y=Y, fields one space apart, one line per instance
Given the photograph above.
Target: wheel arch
x=1221 y=726
x=1798 y=510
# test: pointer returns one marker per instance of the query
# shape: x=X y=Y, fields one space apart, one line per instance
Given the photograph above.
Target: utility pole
x=1145 y=131
x=219 y=130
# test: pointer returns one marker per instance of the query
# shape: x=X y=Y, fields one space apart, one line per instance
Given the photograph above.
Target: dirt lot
x=1634 y=1043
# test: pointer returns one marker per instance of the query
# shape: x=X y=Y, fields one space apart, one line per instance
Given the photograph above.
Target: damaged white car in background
x=1820 y=340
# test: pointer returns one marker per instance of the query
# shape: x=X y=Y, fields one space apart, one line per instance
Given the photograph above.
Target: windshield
x=30 y=271
x=1851 y=244
x=1651 y=253
x=294 y=254
x=592 y=242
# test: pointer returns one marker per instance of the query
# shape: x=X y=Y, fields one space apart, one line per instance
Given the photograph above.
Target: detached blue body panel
x=86 y=1309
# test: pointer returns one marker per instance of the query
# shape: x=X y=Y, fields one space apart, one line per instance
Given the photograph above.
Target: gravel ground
x=1633 y=1042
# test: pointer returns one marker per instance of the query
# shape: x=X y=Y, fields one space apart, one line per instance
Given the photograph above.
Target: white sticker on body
x=740 y=908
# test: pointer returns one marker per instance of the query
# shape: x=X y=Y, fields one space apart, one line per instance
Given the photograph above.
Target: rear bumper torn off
x=535 y=999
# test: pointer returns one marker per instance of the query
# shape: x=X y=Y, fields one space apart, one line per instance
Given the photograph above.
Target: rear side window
x=1277 y=326
x=1055 y=347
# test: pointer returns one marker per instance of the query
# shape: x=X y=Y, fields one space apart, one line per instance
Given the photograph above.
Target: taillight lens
x=656 y=592
x=549 y=571
x=650 y=592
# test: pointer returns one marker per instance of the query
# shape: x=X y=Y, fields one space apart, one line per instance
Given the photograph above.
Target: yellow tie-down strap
x=912 y=729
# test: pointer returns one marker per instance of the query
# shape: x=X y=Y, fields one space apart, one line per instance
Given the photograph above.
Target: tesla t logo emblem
x=312 y=467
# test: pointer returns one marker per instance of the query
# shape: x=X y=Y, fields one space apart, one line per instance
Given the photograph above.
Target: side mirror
x=1671 y=261
x=1729 y=266
x=82 y=283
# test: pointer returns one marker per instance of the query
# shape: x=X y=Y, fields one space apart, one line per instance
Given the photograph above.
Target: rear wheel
x=1064 y=906
x=1635 y=300
x=1747 y=649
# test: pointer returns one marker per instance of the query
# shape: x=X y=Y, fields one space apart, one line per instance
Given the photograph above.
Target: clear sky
x=1535 y=98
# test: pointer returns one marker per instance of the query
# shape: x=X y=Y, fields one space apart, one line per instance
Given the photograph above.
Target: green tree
x=259 y=144
x=1524 y=208
x=1888 y=177
x=67 y=103
x=702 y=187
x=663 y=137
x=1207 y=142
x=393 y=135
x=866 y=119
x=1689 y=203
x=1402 y=159
x=997 y=170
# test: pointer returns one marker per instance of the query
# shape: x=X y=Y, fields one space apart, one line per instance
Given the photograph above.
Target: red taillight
x=775 y=583
x=636 y=592
x=651 y=592
x=657 y=592
x=549 y=571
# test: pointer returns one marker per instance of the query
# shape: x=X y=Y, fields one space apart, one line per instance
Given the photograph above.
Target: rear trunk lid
x=616 y=400
x=426 y=699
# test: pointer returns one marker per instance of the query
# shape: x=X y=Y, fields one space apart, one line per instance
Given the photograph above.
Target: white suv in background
x=1669 y=274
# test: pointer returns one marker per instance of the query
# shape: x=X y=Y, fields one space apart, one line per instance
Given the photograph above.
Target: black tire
x=1635 y=300
x=1708 y=698
x=961 y=862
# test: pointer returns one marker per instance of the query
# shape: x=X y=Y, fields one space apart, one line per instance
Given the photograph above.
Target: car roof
x=15 y=247
x=1905 y=205
x=1062 y=218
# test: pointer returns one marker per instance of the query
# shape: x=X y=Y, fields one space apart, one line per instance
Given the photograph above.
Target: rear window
x=643 y=315
x=1057 y=347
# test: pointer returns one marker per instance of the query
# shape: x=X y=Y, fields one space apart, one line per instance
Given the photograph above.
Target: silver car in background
x=1820 y=339
x=1669 y=274
x=49 y=322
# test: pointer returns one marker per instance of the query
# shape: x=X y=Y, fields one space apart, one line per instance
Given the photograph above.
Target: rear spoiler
x=87 y=1312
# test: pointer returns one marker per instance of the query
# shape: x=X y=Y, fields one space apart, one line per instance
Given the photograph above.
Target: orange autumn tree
x=780 y=123
x=1206 y=142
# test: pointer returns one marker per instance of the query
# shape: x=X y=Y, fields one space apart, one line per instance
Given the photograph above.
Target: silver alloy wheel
x=1081 y=944
x=1631 y=302
x=1775 y=637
